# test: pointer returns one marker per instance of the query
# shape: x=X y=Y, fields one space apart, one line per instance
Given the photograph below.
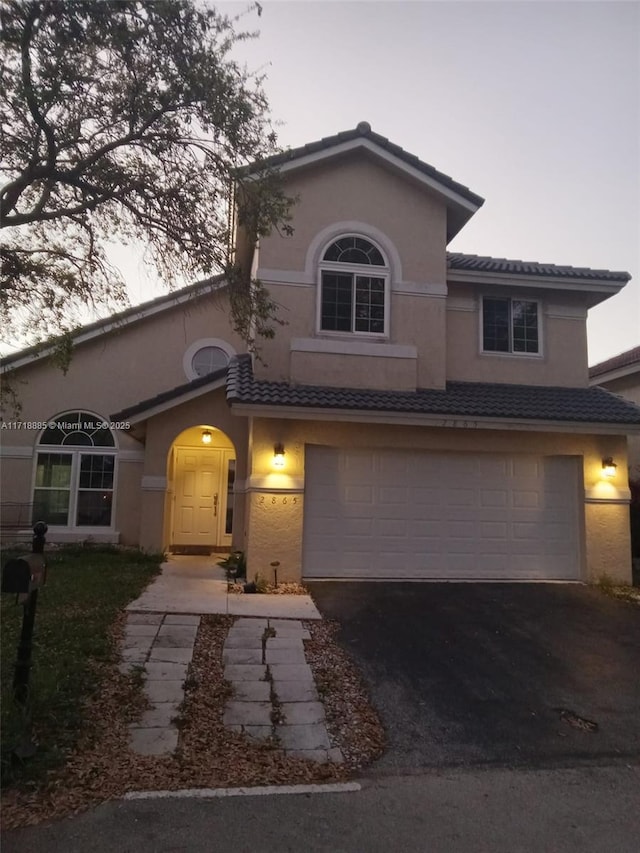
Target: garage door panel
x=405 y=514
x=494 y=530
x=494 y=498
x=423 y=496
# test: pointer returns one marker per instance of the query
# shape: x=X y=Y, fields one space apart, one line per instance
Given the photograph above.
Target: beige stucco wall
x=563 y=357
x=107 y=374
x=412 y=222
x=357 y=188
x=353 y=371
x=629 y=388
x=275 y=527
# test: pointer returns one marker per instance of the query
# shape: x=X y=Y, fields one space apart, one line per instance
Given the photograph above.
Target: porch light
x=609 y=467
x=278 y=455
x=206 y=436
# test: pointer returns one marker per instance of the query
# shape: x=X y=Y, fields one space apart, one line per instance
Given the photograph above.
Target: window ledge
x=493 y=354
x=353 y=347
x=59 y=533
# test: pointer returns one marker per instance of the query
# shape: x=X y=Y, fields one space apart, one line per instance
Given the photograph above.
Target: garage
x=408 y=514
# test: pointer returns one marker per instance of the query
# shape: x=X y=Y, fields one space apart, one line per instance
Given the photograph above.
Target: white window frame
x=510 y=353
x=365 y=270
x=193 y=348
x=76 y=451
x=74 y=486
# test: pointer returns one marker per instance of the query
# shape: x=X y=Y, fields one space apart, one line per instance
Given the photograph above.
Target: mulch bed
x=102 y=767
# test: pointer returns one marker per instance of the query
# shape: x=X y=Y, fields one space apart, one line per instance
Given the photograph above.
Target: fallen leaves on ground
x=352 y=723
x=271 y=589
x=102 y=767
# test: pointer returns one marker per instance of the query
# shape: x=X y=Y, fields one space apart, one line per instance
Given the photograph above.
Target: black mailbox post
x=24 y=576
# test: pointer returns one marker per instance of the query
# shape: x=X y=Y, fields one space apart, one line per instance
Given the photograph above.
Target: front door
x=198 y=496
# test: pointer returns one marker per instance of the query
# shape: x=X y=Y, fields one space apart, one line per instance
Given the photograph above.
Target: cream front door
x=198 y=496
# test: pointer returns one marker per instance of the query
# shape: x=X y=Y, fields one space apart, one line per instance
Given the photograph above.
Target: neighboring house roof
x=119 y=320
x=622 y=364
x=462 y=203
x=167 y=399
x=482 y=400
x=483 y=263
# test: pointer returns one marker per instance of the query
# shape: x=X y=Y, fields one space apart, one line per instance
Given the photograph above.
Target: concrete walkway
x=163 y=647
x=197 y=585
x=274 y=693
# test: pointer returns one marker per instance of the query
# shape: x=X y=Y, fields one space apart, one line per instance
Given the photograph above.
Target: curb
x=268 y=790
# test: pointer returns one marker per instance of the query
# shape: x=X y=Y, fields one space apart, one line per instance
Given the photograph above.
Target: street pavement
x=583 y=810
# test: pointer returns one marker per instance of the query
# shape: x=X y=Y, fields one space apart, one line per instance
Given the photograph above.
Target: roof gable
x=460 y=201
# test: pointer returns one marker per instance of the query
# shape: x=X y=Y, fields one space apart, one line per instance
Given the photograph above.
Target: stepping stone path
x=274 y=693
x=163 y=646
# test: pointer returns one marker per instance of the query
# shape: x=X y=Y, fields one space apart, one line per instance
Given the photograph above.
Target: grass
x=86 y=589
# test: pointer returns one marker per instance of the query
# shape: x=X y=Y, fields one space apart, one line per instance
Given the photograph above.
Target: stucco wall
x=357 y=188
x=563 y=336
x=629 y=388
x=123 y=367
x=411 y=224
x=107 y=374
x=276 y=527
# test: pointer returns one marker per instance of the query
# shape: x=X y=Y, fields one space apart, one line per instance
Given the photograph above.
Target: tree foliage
x=127 y=120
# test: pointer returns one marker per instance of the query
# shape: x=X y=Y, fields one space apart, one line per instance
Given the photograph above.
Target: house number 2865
x=273 y=500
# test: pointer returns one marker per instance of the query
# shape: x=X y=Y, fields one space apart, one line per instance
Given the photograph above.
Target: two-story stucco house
x=423 y=414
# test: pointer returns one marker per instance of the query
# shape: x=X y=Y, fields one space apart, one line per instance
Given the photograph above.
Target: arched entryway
x=201 y=468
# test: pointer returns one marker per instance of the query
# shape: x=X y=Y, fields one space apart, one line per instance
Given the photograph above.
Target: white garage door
x=410 y=514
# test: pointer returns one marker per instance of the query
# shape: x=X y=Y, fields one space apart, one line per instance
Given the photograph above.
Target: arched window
x=354 y=287
x=75 y=470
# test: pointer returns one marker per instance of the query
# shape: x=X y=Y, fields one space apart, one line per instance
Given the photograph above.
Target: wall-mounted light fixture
x=206 y=436
x=609 y=467
x=278 y=455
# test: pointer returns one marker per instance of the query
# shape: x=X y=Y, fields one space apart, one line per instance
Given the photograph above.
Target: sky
x=535 y=106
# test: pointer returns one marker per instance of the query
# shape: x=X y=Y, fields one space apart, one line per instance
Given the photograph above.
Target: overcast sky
x=533 y=105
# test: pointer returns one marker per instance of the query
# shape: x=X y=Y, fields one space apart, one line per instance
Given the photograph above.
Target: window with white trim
x=354 y=288
x=209 y=359
x=74 y=479
x=205 y=356
x=510 y=326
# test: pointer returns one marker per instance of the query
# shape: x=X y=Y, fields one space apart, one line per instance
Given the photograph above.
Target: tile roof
x=171 y=394
x=484 y=263
x=460 y=399
x=363 y=130
x=625 y=359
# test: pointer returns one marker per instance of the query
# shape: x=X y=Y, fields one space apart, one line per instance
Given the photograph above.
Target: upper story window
x=510 y=325
x=354 y=288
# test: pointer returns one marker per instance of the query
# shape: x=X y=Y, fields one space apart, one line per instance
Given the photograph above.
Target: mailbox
x=23 y=574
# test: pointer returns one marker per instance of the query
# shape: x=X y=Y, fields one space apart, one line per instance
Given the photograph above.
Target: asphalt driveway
x=509 y=674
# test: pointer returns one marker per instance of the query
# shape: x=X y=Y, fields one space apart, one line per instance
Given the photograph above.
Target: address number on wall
x=273 y=500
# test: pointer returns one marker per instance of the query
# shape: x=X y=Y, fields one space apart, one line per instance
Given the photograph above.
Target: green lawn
x=86 y=589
